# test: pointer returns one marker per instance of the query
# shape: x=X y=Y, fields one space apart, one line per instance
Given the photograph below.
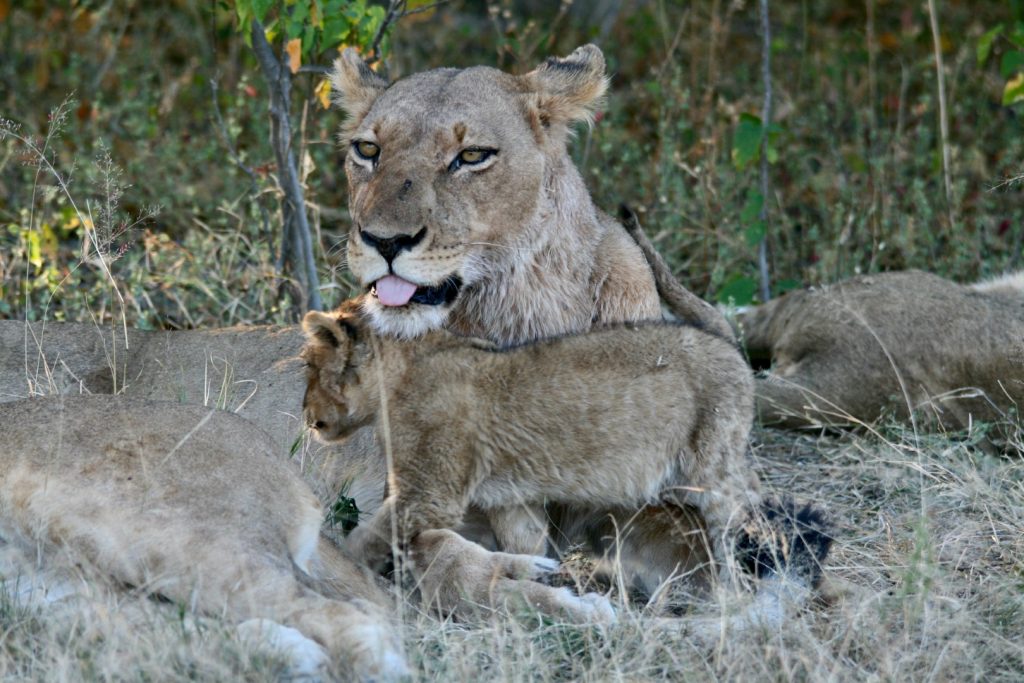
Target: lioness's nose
x=390 y=247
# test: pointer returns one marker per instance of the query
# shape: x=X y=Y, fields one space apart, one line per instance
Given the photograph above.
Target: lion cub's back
x=624 y=401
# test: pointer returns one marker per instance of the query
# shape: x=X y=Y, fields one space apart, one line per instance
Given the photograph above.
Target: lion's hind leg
x=822 y=391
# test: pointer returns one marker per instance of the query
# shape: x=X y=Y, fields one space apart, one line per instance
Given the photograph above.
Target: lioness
x=467 y=213
x=627 y=415
x=191 y=504
x=904 y=343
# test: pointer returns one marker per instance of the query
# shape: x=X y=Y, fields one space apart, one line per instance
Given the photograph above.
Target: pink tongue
x=394 y=291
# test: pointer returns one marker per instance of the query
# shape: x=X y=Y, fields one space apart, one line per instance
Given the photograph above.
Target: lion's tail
x=783 y=548
x=683 y=303
x=785 y=540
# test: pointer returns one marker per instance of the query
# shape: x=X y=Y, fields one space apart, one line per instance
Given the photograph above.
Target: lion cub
x=625 y=415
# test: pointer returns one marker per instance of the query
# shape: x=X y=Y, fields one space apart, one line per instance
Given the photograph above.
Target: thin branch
x=1007 y=182
x=314 y=69
x=396 y=9
x=296 y=223
x=425 y=8
x=943 y=113
x=766 y=119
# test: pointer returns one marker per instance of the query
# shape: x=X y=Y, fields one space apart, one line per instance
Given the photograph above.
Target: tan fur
x=625 y=415
x=895 y=343
x=683 y=303
x=191 y=504
x=536 y=257
x=255 y=372
x=252 y=371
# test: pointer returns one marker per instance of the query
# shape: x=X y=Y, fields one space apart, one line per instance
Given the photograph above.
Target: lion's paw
x=307 y=660
x=588 y=608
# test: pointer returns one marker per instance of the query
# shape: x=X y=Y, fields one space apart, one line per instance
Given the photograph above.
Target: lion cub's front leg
x=521 y=529
x=415 y=507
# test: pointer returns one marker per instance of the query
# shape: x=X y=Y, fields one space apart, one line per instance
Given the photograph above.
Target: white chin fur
x=404 y=322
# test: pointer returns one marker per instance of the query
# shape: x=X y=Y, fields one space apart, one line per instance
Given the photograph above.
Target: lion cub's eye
x=471 y=157
x=366 y=150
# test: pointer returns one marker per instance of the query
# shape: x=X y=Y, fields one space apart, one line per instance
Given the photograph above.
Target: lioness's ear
x=326 y=329
x=354 y=86
x=569 y=89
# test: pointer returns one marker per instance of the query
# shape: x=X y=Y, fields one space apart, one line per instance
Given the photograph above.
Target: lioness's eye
x=471 y=157
x=366 y=150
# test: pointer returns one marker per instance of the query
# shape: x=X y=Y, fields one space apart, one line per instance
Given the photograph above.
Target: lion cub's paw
x=529 y=567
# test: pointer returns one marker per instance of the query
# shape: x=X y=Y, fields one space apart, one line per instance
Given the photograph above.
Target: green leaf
x=739 y=290
x=1013 y=61
x=335 y=31
x=985 y=44
x=1014 y=90
x=783 y=286
x=751 y=208
x=754 y=233
x=746 y=141
x=1016 y=35
x=260 y=9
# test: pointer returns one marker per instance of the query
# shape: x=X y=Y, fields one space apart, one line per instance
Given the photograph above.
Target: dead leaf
x=294 y=49
x=323 y=93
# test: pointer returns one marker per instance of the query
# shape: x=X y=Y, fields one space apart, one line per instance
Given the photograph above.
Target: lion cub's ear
x=326 y=329
x=569 y=89
x=354 y=86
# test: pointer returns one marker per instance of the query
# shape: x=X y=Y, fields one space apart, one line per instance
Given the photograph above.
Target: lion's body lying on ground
x=191 y=504
x=468 y=214
x=897 y=343
x=626 y=415
x=900 y=344
x=253 y=371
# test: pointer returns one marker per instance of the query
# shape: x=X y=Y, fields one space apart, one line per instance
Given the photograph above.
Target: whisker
x=492 y=244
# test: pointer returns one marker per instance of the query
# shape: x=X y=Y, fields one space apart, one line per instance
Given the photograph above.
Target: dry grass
x=926 y=583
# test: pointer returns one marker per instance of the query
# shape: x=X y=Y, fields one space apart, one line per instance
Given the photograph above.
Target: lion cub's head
x=448 y=171
x=334 y=353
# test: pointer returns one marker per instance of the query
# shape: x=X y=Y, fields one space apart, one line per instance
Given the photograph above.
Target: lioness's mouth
x=391 y=290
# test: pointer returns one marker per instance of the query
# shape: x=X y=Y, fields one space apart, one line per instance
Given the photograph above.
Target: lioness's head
x=333 y=354
x=447 y=171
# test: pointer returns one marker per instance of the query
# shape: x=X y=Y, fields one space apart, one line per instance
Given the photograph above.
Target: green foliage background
x=855 y=150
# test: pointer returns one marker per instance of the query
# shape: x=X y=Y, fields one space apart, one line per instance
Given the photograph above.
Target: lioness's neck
x=540 y=285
